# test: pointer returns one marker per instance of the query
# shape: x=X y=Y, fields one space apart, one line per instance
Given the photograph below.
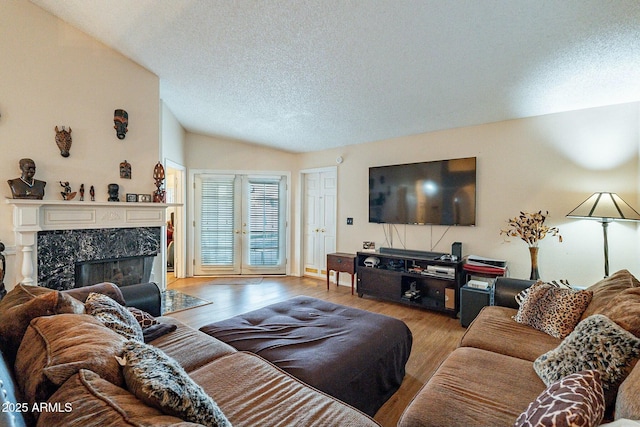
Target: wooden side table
x=341 y=262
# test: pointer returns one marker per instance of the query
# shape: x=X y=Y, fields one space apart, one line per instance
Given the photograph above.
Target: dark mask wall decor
x=121 y=121
x=63 y=140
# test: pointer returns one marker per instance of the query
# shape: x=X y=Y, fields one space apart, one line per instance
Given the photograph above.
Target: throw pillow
x=14 y=319
x=160 y=381
x=520 y=296
x=627 y=402
x=144 y=319
x=114 y=316
x=21 y=294
x=608 y=288
x=624 y=309
x=86 y=399
x=56 y=347
x=575 y=400
x=553 y=310
x=596 y=343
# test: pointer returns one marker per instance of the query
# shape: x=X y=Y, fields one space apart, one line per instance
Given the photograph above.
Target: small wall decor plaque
x=125 y=170
x=158 y=176
x=368 y=246
x=63 y=140
x=120 y=123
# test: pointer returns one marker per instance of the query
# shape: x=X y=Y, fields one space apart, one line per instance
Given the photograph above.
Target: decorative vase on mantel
x=535 y=274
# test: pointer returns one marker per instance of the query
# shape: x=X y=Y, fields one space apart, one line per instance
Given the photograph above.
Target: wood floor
x=435 y=335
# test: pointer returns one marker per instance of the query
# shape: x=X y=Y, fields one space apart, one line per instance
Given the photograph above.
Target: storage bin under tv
x=401 y=276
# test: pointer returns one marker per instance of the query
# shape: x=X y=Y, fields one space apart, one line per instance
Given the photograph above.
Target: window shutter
x=264 y=222
x=217 y=221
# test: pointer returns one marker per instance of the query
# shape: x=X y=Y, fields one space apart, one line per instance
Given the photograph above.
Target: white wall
x=53 y=75
x=549 y=163
x=206 y=153
x=173 y=137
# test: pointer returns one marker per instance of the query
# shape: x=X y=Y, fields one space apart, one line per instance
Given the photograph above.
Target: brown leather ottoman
x=354 y=355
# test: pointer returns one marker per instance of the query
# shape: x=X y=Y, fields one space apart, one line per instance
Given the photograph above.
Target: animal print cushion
x=113 y=315
x=520 y=296
x=144 y=319
x=596 y=343
x=575 y=400
x=159 y=381
x=553 y=310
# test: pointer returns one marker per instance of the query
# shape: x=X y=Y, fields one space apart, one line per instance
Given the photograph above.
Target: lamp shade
x=605 y=207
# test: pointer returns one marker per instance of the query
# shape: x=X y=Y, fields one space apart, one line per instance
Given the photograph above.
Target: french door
x=240 y=224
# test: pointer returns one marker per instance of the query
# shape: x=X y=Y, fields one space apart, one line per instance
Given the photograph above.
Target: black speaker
x=456 y=250
x=471 y=302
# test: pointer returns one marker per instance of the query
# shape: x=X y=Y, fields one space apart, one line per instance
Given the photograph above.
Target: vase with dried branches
x=531 y=228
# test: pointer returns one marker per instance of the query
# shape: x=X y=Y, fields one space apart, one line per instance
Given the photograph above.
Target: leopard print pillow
x=596 y=343
x=520 y=296
x=575 y=400
x=553 y=310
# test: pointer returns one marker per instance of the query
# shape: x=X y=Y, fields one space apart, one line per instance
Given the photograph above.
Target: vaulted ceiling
x=308 y=75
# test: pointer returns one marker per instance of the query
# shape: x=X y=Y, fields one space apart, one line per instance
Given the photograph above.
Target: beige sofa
x=490 y=380
x=66 y=372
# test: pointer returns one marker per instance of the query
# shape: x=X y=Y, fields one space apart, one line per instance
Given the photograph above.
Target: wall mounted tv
x=439 y=192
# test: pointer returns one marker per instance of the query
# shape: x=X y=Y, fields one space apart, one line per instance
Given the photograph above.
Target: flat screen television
x=439 y=192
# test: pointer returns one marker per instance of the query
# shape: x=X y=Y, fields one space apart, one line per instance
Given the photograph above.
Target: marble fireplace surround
x=37 y=221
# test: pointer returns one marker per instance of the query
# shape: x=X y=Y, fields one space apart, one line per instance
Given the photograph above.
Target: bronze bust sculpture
x=27 y=187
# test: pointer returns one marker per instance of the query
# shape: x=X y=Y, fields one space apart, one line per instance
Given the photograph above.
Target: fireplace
x=60 y=252
x=56 y=236
x=121 y=271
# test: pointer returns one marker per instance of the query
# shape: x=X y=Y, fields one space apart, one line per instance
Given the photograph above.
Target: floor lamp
x=605 y=208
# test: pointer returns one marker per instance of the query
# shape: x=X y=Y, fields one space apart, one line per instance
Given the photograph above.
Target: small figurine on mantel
x=92 y=193
x=113 y=193
x=82 y=192
x=67 y=194
x=27 y=187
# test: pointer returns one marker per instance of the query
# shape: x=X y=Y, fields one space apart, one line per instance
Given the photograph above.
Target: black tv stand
x=416 y=278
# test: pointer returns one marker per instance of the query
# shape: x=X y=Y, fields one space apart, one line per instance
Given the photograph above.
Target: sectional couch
x=64 y=373
x=494 y=377
x=59 y=368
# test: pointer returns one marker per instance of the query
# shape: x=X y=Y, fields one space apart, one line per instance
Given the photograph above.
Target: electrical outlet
x=349 y=221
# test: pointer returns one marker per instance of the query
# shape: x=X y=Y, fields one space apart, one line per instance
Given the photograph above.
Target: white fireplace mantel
x=32 y=216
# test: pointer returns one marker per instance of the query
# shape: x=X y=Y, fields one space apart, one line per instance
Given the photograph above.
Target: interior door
x=320 y=203
x=240 y=224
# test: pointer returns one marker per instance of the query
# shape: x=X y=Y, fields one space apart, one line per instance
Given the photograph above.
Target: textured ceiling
x=307 y=75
